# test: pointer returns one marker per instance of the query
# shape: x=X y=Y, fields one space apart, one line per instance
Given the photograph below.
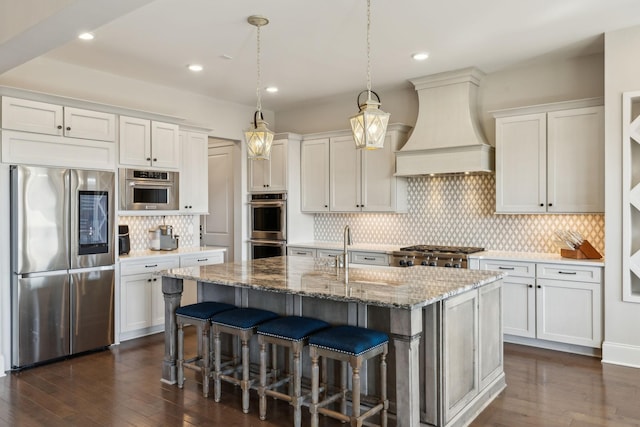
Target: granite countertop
x=368 y=247
x=536 y=257
x=381 y=286
x=148 y=253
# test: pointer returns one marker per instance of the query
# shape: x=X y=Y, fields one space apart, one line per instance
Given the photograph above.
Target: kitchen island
x=445 y=325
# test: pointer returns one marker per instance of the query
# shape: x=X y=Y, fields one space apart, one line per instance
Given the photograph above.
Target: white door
x=344 y=175
x=217 y=227
x=314 y=175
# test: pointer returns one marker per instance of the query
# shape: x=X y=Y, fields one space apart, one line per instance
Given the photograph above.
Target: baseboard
x=551 y=345
x=621 y=354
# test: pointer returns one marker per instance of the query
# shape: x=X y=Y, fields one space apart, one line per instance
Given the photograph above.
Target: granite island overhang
x=445 y=325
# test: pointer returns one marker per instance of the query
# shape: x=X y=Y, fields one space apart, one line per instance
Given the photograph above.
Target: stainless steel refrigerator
x=62 y=260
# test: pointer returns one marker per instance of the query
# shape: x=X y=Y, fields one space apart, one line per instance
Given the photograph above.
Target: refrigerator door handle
x=90 y=269
x=42 y=274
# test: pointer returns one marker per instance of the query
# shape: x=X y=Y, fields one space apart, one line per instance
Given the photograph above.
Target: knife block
x=584 y=251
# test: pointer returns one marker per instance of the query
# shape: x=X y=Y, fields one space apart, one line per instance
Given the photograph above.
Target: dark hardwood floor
x=121 y=387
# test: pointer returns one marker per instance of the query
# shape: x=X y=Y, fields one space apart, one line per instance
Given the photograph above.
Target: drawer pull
x=567 y=272
x=369 y=258
x=203 y=259
x=506 y=268
x=151 y=266
x=332 y=255
x=301 y=253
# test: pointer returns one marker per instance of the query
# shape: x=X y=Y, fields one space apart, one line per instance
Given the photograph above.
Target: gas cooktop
x=442 y=249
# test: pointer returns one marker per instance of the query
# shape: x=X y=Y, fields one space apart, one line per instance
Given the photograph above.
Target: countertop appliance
x=144 y=190
x=62 y=262
x=163 y=239
x=124 y=242
x=433 y=256
x=268 y=214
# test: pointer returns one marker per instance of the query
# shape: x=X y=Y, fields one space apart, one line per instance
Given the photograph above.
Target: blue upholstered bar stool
x=353 y=345
x=293 y=333
x=200 y=315
x=242 y=323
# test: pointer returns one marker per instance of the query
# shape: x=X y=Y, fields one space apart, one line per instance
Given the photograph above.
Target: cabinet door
x=165 y=145
x=460 y=341
x=157 y=301
x=135 y=141
x=194 y=181
x=490 y=348
x=31 y=116
x=519 y=309
x=569 y=312
x=345 y=170
x=258 y=175
x=378 y=182
x=294 y=251
x=87 y=124
x=135 y=302
x=521 y=162
x=575 y=168
x=314 y=175
x=278 y=166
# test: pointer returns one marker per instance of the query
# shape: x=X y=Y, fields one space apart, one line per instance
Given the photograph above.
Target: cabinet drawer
x=127 y=268
x=293 y=251
x=574 y=273
x=328 y=253
x=209 y=258
x=513 y=268
x=369 y=258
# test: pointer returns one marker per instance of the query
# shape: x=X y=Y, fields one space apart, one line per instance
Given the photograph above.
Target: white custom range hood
x=447 y=138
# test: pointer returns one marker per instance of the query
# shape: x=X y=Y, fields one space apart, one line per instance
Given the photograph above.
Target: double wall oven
x=268 y=216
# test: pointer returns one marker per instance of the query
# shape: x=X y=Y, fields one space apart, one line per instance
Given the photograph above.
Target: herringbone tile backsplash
x=459 y=210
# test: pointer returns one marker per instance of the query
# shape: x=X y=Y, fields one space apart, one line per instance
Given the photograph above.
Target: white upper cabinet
x=148 y=143
x=314 y=175
x=550 y=161
x=270 y=175
x=194 y=181
x=51 y=119
x=356 y=180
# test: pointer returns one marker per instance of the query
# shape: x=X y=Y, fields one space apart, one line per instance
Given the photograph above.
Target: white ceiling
x=314 y=49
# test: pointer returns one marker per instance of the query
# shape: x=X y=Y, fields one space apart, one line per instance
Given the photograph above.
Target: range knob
x=458 y=264
x=410 y=263
x=449 y=263
x=402 y=263
x=424 y=262
x=434 y=262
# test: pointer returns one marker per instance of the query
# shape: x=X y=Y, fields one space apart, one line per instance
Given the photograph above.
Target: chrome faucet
x=345 y=256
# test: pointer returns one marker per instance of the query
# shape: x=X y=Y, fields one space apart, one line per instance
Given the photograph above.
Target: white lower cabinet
x=558 y=302
x=141 y=299
x=297 y=251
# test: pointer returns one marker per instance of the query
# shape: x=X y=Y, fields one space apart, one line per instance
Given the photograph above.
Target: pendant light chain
x=369 y=49
x=258 y=93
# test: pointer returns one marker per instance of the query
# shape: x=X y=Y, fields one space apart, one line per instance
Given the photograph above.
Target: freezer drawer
x=40 y=319
x=92 y=299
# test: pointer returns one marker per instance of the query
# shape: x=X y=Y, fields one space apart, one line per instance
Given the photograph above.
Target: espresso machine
x=162 y=238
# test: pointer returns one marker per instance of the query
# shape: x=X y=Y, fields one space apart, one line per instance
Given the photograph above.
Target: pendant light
x=257 y=136
x=369 y=126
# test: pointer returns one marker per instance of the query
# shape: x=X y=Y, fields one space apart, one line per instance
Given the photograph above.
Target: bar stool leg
x=263 y=380
x=383 y=389
x=315 y=385
x=206 y=360
x=355 y=397
x=180 y=355
x=343 y=387
x=245 y=375
x=216 y=364
x=297 y=388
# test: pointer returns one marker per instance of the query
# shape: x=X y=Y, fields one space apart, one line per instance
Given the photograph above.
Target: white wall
x=622 y=73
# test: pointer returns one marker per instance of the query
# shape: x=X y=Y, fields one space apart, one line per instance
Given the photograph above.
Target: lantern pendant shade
x=259 y=140
x=369 y=126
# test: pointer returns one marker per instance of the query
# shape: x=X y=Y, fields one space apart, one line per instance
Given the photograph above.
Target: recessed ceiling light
x=271 y=89
x=86 y=36
x=195 y=67
x=420 y=56
x=226 y=56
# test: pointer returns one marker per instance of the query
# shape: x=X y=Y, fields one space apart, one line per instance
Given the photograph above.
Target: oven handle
x=269 y=242
x=262 y=203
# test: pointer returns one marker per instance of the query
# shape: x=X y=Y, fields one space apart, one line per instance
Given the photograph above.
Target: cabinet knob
x=155 y=160
x=550 y=204
x=190 y=206
x=68 y=127
x=59 y=126
x=531 y=286
x=148 y=280
x=541 y=204
x=148 y=159
x=326 y=206
x=539 y=287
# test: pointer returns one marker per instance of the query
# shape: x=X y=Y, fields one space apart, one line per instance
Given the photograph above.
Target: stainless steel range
x=433 y=256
